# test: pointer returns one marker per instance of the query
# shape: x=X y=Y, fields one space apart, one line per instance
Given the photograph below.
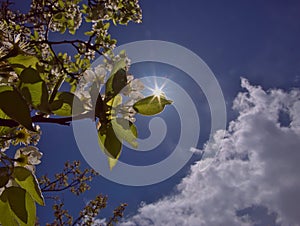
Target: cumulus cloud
x=258 y=165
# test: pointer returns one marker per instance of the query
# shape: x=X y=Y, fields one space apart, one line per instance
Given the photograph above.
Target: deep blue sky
x=258 y=40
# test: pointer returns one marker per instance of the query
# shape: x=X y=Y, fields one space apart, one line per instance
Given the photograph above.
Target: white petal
x=137 y=85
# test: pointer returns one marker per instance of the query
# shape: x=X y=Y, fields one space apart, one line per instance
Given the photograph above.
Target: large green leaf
x=109 y=143
x=115 y=102
x=28 y=181
x=30 y=75
x=18 y=206
x=113 y=161
x=115 y=83
x=20 y=62
x=31 y=210
x=63 y=104
x=125 y=130
x=4 y=176
x=17 y=203
x=3 y=129
x=34 y=89
x=6 y=217
x=151 y=105
x=6 y=88
x=112 y=106
x=15 y=106
x=118 y=66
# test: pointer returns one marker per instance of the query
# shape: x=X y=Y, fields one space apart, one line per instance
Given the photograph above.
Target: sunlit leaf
x=17 y=202
x=15 y=106
x=113 y=104
x=6 y=217
x=6 y=88
x=151 y=105
x=117 y=80
x=34 y=89
x=117 y=100
x=112 y=162
x=61 y=3
x=89 y=33
x=125 y=130
x=28 y=181
x=17 y=206
x=109 y=143
x=31 y=211
x=20 y=62
x=118 y=66
x=63 y=104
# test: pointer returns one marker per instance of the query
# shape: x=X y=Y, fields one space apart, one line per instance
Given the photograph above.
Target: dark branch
x=39 y=118
x=88 y=44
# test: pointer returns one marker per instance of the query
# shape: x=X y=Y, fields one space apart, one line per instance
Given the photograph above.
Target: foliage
x=33 y=71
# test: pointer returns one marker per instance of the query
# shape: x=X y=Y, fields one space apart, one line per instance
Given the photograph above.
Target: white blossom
x=28 y=157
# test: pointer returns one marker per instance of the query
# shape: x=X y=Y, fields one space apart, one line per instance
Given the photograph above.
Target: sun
x=157 y=92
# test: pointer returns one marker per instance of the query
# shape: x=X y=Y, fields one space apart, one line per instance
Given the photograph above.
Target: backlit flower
x=28 y=157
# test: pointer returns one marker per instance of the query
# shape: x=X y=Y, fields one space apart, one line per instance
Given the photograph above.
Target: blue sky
x=257 y=40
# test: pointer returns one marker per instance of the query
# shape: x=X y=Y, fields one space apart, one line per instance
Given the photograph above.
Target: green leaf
x=58 y=16
x=34 y=89
x=106 y=26
x=118 y=66
x=6 y=88
x=114 y=102
x=17 y=202
x=30 y=75
x=61 y=3
x=89 y=33
x=151 y=105
x=72 y=31
x=117 y=80
x=113 y=161
x=6 y=217
x=109 y=143
x=63 y=103
x=125 y=130
x=20 y=62
x=28 y=181
x=15 y=106
x=112 y=106
x=3 y=129
x=4 y=176
x=115 y=83
x=31 y=209
x=16 y=205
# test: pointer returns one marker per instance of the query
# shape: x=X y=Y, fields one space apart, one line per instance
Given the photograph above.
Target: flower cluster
x=133 y=93
x=18 y=136
x=28 y=157
x=90 y=77
x=68 y=16
x=98 y=76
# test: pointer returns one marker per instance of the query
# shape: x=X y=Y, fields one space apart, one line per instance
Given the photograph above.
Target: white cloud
x=259 y=165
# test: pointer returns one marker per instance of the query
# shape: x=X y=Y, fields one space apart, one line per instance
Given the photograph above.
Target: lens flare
x=157 y=92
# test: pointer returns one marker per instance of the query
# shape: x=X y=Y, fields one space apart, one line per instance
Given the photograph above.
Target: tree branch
x=39 y=118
